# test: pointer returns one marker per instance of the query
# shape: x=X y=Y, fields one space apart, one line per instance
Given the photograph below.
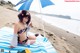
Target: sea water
x=72 y=26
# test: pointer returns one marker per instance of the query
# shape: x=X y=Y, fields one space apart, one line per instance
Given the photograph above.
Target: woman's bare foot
x=11 y=47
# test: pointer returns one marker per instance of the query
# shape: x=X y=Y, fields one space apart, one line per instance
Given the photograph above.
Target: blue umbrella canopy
x=27 y=3
x=45 y=3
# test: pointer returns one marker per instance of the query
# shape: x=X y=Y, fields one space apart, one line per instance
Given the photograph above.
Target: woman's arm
x=30 y=24
x=16 y=28
x=14 y=41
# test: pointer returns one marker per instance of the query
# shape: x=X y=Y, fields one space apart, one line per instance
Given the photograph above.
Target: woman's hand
x=31 y=24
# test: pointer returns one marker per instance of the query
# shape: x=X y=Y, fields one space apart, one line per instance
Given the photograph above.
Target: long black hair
x=24 y=14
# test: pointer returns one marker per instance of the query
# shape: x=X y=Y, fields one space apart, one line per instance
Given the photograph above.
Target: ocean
x=72 y=26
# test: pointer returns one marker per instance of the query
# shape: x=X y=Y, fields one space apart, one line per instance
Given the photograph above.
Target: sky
x=60 y=8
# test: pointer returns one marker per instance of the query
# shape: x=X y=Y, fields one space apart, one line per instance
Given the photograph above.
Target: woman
x=20 y=30
x=29 y=23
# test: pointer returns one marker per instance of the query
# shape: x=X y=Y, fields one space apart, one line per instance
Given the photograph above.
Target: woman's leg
x=29 y=42
x=31 y=37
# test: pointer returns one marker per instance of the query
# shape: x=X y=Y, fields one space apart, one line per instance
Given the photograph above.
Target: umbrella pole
x=42 y=21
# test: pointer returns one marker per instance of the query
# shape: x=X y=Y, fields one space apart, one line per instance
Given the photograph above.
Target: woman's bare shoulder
x=16 y=24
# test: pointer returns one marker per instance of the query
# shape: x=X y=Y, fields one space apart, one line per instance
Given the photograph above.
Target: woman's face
x=25 y=19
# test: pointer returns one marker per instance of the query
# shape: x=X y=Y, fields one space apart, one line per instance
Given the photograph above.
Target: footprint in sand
x=67 y=31
x=40 y=29
x=74 y=37
x=50 y=34
x=9 y=24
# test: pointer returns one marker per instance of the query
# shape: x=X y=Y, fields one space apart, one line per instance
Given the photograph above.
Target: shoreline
x=65 y=24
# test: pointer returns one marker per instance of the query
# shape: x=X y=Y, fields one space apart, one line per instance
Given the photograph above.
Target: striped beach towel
x=42 y=45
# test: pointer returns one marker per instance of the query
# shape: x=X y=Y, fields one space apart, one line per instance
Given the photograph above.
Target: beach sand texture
x=63 y=41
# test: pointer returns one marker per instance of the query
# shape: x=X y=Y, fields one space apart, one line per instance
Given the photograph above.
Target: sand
x=63 y=41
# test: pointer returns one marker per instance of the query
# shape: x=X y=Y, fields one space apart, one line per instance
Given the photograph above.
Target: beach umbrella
x=27 y=3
